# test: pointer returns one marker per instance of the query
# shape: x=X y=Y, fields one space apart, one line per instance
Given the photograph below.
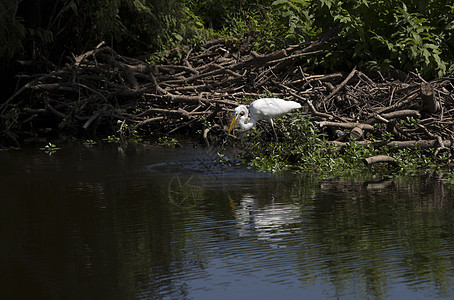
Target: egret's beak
x=233 y=122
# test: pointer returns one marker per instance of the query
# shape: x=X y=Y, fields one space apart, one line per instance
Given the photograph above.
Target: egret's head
x=240 y=111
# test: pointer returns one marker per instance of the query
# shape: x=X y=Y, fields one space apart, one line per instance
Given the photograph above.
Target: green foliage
x=222 y=159
x=272 y=24
x=168 y=142
x=140 y=25
x=409 y=123
x=377 y=34
x=12 y=31
x=90 y=143
x=304 y=149
x=129 y=134
x=125 y=134
x=394 y=34
x=297 y=17
x=130 y=26
x=112 y=139
x=50 y=149
x=415 y=44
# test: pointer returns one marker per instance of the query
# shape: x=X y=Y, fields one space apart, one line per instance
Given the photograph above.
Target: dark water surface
x=144 y=222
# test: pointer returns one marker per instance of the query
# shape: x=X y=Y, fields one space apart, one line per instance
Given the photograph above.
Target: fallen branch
x=421 y=144
x=343 y=83
x=345 y=125
x=380 y=159
x=428 y=98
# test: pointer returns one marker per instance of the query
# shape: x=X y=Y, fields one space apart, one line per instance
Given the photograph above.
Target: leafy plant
x=90 y=142
x=125 y=134
x=303 y=148
x=415 y=43
x=112 y=139
x=128 y=134
x=297 y=18
x=168 y=142
x=50 y=148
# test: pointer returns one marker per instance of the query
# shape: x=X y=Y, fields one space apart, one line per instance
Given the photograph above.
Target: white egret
x=262 y=109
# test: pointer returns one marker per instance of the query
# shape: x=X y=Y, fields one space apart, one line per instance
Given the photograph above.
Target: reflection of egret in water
x=271 y=223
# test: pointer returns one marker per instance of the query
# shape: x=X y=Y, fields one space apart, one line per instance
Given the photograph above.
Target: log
x=357 y=133
x=399 y=114
x=53 y=110
x=430 y=104
x=380 y=159
x=179 y=113
x=58 y=86
x=422 y=144
x=91 y=119
x=406 y=101
x=345 y=125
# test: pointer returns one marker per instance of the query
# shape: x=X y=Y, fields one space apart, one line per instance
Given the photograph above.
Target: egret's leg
x=272 y=125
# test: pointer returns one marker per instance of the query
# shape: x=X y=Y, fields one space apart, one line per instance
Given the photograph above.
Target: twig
x=343 y=83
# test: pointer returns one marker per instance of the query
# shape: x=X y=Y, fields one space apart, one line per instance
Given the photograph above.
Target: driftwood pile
x=194 y=90
x=414 y=112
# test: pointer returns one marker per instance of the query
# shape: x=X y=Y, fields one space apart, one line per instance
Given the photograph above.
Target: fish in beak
x=235 y=117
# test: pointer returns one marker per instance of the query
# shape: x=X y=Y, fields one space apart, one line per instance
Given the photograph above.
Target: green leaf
x=178 y=36
x=279 y=2
x=417 y=38
x=426 y=55
x=414 y=51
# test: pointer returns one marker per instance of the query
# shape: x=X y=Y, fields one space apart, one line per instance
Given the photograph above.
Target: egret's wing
x=267 y=108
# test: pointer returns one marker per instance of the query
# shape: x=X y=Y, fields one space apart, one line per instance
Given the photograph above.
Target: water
x=144 y=222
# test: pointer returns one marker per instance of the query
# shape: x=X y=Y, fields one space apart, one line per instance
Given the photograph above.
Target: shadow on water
x=109 y=222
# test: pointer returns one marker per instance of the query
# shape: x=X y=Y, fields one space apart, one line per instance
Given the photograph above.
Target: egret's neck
x=248 y=125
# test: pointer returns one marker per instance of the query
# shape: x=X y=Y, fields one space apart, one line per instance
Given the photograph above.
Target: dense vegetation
x=383 y=34
x=307 y=150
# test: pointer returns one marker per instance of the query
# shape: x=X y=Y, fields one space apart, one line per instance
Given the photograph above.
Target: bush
x=377 y=34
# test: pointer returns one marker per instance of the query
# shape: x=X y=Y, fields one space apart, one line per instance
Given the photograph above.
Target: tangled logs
x=194 y=90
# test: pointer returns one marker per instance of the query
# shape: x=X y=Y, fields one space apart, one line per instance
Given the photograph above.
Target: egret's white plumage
x=262 y=109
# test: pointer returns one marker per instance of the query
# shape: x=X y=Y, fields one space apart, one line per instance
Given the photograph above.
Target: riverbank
x=192 y=92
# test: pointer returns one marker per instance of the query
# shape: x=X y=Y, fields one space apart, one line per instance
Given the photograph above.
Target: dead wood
x=430 y=104
x=380 y=159
x=357 y=133
x=196 y=91
x=421 y=144
x=342 y=84
x=399 y=114
x=345 y=125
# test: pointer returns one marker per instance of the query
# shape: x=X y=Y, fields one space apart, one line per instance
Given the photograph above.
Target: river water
x=146 y=222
